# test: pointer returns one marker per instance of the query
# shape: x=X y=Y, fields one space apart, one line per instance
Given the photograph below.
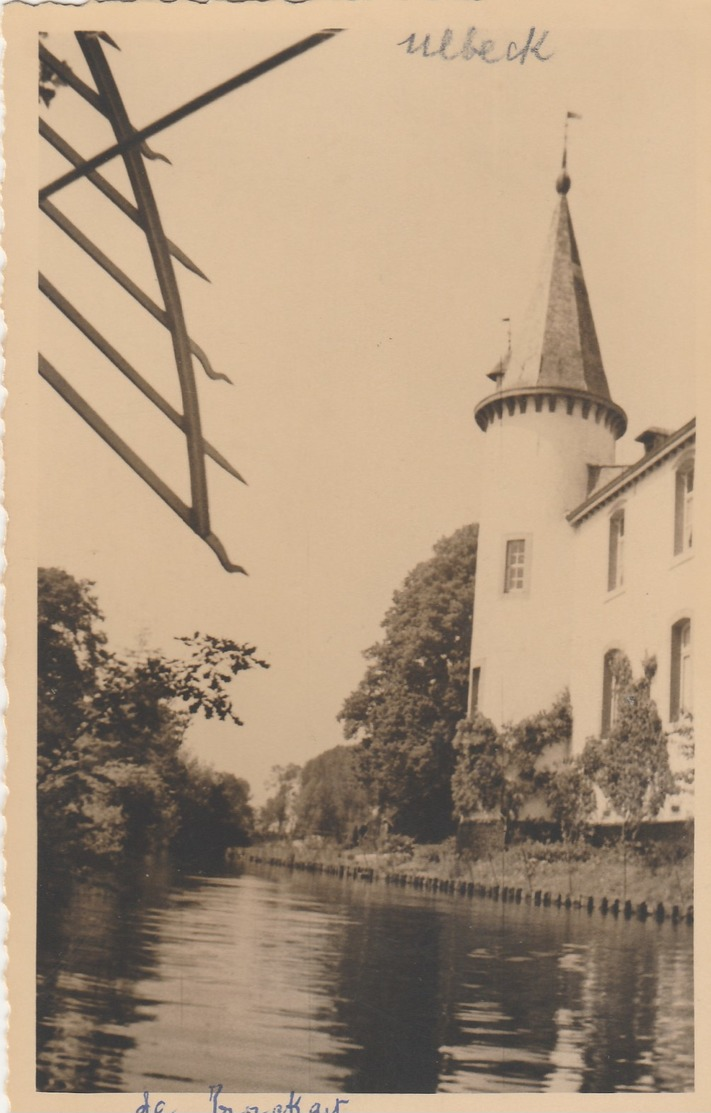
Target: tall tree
x=331 y=801
x=406 y=708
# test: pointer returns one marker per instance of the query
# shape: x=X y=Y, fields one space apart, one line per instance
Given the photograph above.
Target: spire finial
x=563 y=183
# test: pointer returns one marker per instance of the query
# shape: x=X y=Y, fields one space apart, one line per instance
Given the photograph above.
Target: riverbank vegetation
x=419 y=766
x=420 y=769
x=653 y=870
x=113 y=777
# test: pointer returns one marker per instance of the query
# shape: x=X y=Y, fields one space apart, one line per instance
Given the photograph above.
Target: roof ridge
x=632 y=472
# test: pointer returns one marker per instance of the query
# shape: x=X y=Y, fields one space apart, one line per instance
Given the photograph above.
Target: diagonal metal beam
x=56 y=380
x=55 y=140
x=129 y=142
x=92 y=334
x=101 y=258
x=145 y=200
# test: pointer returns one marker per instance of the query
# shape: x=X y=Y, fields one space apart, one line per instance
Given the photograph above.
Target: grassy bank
x=650 y=875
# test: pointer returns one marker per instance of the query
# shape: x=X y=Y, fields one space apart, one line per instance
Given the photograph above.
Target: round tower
x=547 y=429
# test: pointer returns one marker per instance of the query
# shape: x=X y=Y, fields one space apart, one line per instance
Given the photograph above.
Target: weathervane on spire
x=563 y=183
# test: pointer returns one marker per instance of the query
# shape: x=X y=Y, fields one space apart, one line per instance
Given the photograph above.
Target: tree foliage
x=49 y=81
x=70 y=650
x=683 y=738
x=406 y=708
x=631 y=764
x=278 y=815
x=111 y=777
x=482 y=775
x=214 y=812
x=570 y=797
x=332 y=801
x=497 y=772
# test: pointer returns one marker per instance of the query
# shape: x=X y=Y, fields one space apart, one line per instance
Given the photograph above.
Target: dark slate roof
x=557 y=344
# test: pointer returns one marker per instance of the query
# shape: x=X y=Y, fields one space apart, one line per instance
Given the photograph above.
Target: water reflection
x=94 y=939
x=268 y=982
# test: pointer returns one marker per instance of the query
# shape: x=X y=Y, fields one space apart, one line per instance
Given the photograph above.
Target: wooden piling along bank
x=642 y=911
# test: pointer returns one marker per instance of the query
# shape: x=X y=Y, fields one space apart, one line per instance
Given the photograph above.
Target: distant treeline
x=325 y=798
x=113 y=779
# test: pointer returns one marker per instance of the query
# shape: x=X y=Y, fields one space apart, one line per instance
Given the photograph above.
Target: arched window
x=682 y=692
x=683 y=507
x=610 y=691
x=616 y=554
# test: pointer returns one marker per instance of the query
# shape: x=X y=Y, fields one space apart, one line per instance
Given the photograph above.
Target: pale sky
x=366 y=218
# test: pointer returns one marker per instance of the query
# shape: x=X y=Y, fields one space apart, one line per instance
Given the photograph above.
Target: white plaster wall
x=659 y=589
x=637 y=618
x=536 y=471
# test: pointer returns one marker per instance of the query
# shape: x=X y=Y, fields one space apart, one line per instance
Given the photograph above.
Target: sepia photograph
x=353 y=618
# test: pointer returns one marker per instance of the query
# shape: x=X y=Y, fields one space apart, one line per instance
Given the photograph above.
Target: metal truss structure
x=131 y=147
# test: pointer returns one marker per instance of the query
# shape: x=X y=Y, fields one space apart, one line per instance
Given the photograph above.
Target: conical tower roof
x=556 y=348
x=557 y=345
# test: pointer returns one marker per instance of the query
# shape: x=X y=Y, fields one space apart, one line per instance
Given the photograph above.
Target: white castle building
x=579 y=557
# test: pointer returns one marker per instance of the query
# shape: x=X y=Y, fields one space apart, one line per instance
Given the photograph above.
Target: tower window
x=681 y=694
x=615 y=563
x=683 y=508
x=515 y=565
x=610 y=691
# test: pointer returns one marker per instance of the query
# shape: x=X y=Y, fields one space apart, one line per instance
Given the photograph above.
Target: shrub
x=497 y=772
x=570 y=796
x=631 y=764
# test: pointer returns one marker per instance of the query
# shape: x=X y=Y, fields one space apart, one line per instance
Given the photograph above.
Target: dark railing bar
x=97 y=423
x=138 y=136
x=70 y=78
x=134 y=461
x=107 y=349
x=81 y=240
x=55 y=140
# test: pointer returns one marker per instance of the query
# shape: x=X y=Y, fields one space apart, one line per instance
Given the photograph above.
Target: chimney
x=652 y=439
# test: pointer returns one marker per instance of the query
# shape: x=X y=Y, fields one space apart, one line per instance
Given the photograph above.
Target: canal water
x=270 y=981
